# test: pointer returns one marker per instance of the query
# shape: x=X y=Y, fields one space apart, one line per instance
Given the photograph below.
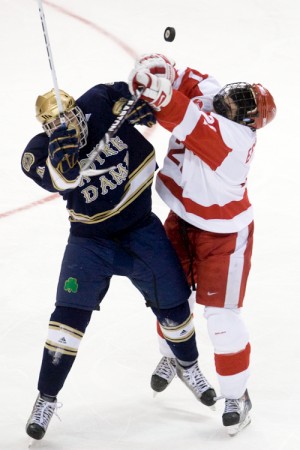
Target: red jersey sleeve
x=199 y=131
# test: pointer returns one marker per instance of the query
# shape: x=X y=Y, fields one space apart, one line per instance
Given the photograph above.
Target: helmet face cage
x=236 y=101
x=47 y=113
x=74 y=119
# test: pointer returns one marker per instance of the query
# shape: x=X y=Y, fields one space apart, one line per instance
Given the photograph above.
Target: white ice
x=107 y=400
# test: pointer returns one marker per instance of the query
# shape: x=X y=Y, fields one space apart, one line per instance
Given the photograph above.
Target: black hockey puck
x=169 y=34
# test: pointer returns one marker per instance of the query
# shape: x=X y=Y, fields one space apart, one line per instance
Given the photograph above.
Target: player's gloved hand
x=142 y=114
x=63 y=149
x=156 y=91
x=158 y=65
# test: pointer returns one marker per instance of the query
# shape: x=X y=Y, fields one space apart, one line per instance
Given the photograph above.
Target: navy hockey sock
x=178 y=330
x=66 y=329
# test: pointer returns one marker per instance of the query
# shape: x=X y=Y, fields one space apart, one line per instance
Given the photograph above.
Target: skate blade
x=235 y=429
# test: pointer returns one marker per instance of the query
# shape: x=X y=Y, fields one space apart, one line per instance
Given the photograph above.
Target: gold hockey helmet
x=48 y=114
x=47 y=108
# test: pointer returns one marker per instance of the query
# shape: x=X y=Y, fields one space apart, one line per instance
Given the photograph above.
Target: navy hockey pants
x=144 y=255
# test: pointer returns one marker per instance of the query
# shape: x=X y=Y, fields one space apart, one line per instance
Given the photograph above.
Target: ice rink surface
x=107 y=400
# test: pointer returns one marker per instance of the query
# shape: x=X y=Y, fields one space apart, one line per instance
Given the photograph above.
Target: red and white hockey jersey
x=204 y=175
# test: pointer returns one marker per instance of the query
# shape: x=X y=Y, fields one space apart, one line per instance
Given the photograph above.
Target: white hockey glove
x=158 y=65
x=156 y=91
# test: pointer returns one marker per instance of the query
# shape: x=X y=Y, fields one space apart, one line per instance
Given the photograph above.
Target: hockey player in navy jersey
x=112 y=232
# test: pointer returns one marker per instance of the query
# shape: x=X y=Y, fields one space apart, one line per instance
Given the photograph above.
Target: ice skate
x=163 y=374
x=197 y=383
x=236 y=414
x=40 y=417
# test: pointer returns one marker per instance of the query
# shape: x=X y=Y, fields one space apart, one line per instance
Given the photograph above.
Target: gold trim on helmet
x=48 y=114
x=46 y=105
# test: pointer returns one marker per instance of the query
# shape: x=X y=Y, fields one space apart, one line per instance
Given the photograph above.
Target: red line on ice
x=96 y=27
x=29 y=205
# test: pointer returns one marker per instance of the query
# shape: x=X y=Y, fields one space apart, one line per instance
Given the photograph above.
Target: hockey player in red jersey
x=204 y=183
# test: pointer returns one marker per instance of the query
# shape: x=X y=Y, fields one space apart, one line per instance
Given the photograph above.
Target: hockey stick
x=115 y=126
x=126 y=110
x=50 y=59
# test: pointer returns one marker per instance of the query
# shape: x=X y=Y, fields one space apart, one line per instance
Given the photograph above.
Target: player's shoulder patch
x=27 y=161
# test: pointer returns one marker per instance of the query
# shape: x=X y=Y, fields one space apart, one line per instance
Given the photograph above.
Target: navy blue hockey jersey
x=107 y=204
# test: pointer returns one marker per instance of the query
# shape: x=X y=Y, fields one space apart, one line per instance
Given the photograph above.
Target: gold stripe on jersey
x=107 y=214
x=59 y=182
x=144 y=163
x=132 y=192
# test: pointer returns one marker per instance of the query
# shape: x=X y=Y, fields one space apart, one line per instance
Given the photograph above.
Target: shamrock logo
x=71 y=285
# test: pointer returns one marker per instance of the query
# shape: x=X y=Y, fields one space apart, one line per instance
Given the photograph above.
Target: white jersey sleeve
x=204 y=175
